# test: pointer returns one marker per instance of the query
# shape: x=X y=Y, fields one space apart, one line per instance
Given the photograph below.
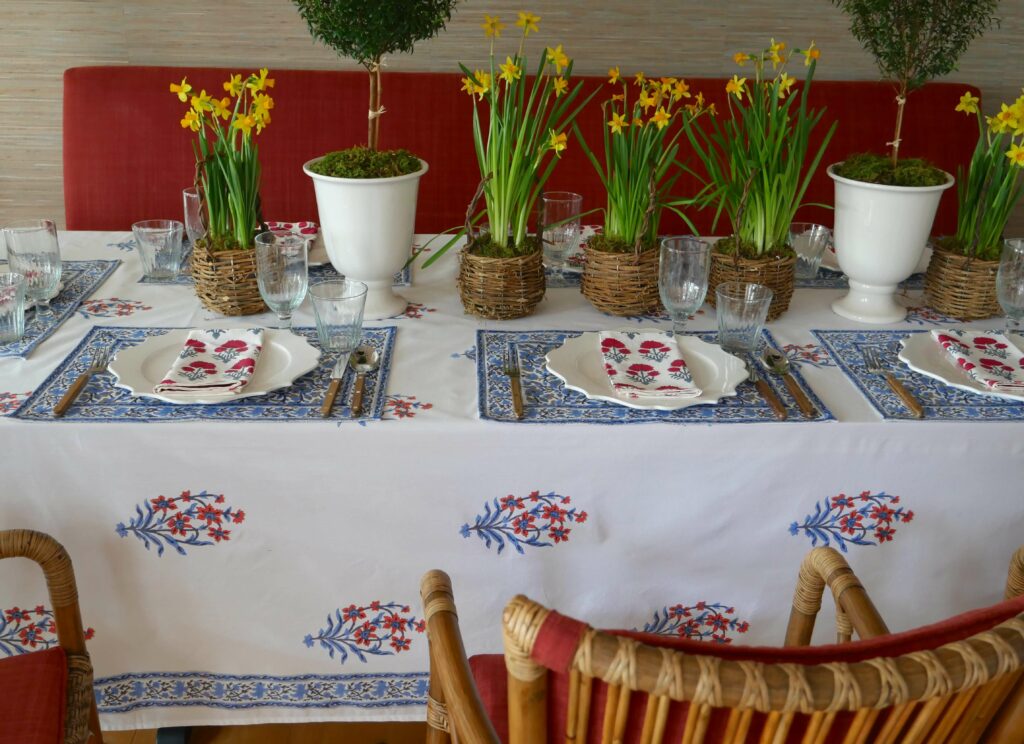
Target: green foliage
x=879 y=169
x=366 y=30
x=914 y=41
x=610 y=244
x=485 y=245
x=361 y=162
x=727 y=247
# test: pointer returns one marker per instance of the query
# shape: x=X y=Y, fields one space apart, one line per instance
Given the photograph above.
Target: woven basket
x=774 y=273
x=501 y=288
x=961 y=287
x=225 y=281
x=621 y=283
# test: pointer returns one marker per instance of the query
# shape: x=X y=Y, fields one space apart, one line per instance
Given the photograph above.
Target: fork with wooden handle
x=766 y=392
x=873 y=362
x=100 y=360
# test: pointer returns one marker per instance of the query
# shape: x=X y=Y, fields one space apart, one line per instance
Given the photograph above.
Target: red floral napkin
x=214 y=362
x=305 y=229
x=989 y=358
x=646 y=365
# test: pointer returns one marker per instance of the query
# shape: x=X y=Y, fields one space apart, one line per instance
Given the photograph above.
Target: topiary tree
x=914 y=41
x=366 y=30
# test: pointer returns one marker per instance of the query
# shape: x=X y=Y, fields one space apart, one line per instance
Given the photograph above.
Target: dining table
x=252 y=561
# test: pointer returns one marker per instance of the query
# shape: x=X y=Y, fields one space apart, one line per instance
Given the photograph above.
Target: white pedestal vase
x=880 y=234
x=367 y=226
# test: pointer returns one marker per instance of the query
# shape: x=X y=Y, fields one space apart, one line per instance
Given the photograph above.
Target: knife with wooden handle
x=905 y=395
x=807 y=408
x=517 y=395
x=766 y=392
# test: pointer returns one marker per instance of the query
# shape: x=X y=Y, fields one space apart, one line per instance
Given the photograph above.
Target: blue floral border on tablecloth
x=316 y=273
x=102 y=402
x=128 y=692
x=81 y=279
x=828 y=279
x=547 y=400
x=940 y=401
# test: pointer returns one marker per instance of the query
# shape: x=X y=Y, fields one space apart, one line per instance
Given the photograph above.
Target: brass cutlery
x=332 y=390
x=873 y=363
x=512 y=369
x=364 y=360
x=98 y=364
x=766 y=392
x=778 y=364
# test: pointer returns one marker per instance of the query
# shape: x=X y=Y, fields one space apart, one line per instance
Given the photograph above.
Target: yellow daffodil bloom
x=261 y=105
x=613 y=75
x=968 y=103
x=510 y=71
x=618 y=123
x=785 y=83
x=483 y=83
x=560 y=85
x=639 y=78
x=201 y=102
x=558 y=142
x=712 y=110
x=680 y=90
x=558 y=58
x=234 y=85
x=774 y=53
x=222 y=108
x=1007 y=118
x=661 y=118
x=260 y=82
x=699 y=100
x=811 y=54
x=182 y=90
x=740 y=58
x=469 y=85
x=528 y=22
x=646 y=100
x=1016 y=155
x=191 y=121
x=777 y=47
x=619 y=97
x=735 y=86
x=637 y=121
x=492 y=26
x=262 y=121
x=244 y=124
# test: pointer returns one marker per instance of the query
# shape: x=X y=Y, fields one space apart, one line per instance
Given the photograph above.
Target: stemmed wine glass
x=33 y=252
x=561 y=219
x=683 y=269
x=282 y=273
x=1010 y=283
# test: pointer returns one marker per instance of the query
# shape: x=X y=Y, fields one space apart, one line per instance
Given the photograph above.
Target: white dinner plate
x=579 y=364
x=140 y=368
x=922 y=353
x=828 y=260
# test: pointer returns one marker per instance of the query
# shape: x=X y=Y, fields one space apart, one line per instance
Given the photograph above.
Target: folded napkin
x=989 y=358
x=646 y=365
x=304 y=229
x=214 y=362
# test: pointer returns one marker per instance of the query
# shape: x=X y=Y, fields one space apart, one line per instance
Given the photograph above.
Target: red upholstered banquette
x=126 y=157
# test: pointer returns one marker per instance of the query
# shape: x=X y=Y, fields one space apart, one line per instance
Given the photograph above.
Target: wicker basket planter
x=501 y=288
x=961 y=287
x=225 y=281
x=774 y=273
x=621 y=283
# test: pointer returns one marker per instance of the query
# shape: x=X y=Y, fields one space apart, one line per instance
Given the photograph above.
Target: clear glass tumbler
x=742 y=309
x=282 y=273
x=683 y=268
x=809 y=241
x=1010 y=283
x=159 y=244
x=33 y=252
x=338 y=307
x=12 y=307
x=195 y=225
x=561 y=220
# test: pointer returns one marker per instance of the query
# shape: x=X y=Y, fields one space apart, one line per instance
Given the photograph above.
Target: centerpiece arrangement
x=961 y=277
x=639 y=170
x=366 y=197
x=759 y=163
x=228 y=180
x=912 y=42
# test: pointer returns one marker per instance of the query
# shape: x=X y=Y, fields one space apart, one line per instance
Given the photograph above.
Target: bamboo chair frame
x=81 y=719
x=948 y=694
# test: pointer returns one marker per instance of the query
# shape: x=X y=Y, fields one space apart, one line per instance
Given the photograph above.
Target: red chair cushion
x=33 y=695
x=559 y=636
x=129 y=159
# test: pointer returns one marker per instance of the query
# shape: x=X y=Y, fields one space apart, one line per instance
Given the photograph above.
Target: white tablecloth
x=693 y=529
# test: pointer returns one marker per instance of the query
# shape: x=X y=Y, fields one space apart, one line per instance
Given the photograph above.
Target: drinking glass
x=338 y=307
x=33 y=252
x=12 y=307
x=742 y=309
x=683 y=277
x=809 y=241
x=561 y=220
x=159 y=244
x=1010 y=283
x=282 y=273
x=195 y=227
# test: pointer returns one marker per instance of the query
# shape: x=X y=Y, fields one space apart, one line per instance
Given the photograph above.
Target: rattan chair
x=957 y=681
x=80 y=716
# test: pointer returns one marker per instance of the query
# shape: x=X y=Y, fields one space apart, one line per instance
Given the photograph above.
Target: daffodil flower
x=182 y=90
x=201 y=102
x=680 y=90
x=492 y=26
x=637 y=121
x=234 y=86
x=613 y=75
x=785 y=83
x=646 y=100
x=510 y=71
x=619 y=97
x=811 y=54
x=661 y=118
x=735 y=86
x=1016 y=155
x=1007 y=118
x=260 y=82
x=618 y=123
x=560 y=85
x=740 y=58
x=968 y=103
x=558 y=58
x=483 y=83
x=469 y=85
x=191 y=121
x=639 y=78
x=222 y=108
x=528 y=22
x=557 y=142
x=261 y=105
x=244 y=124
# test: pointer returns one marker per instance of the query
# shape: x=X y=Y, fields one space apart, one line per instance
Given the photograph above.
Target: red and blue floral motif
x=927 y=316
x=190 y=519
x=403 y=407
x=9 y=402
x=377 y=629
x=704 y=621
x=113 y=307
x=415 y=311
x=536 y=521
x=867 y=519
x=809 y=354
x=25 y=630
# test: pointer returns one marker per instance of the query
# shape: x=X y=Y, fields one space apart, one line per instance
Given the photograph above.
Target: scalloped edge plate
x=921 y=353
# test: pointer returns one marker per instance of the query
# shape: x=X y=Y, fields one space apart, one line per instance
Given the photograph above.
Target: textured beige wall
x=39 y=39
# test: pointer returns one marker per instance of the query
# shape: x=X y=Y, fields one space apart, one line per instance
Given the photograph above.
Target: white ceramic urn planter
x=367 y=226
x=880 y=234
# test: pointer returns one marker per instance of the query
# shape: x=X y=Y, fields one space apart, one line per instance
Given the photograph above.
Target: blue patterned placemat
x=547 y=400
x=828 y=279
x=80 y=279
x=102 y=402
x=316 y=273
x=940 y=401
x=569 y=279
